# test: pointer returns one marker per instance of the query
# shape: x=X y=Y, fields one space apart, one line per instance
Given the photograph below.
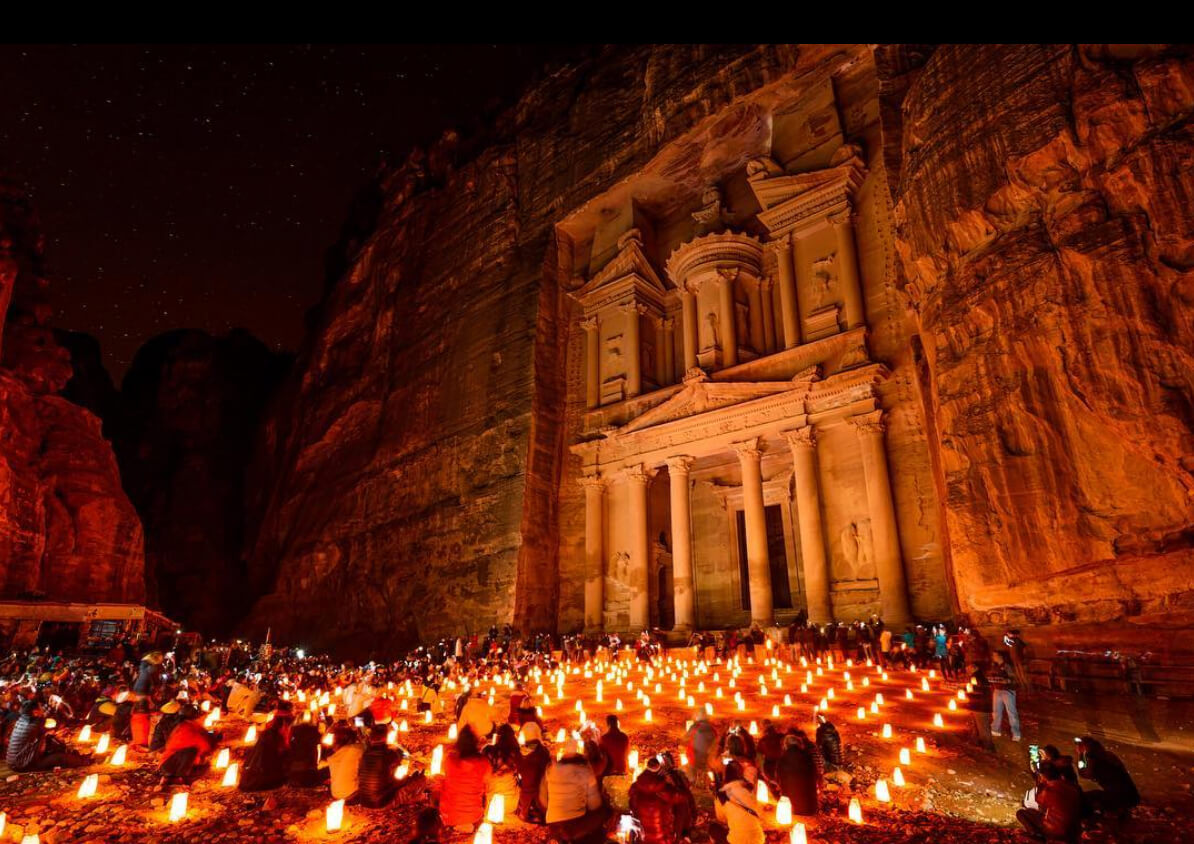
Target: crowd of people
x=159 y=704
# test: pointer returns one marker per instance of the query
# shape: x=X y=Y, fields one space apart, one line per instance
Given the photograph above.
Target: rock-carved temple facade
x=732 y=377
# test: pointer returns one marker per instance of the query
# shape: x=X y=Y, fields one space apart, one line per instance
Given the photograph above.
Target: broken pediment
x=791 y=200
x=630 y=262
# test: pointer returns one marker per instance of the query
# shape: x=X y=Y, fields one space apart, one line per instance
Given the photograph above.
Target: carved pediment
x=631 y=262
x=701 y=396
x=788 y=200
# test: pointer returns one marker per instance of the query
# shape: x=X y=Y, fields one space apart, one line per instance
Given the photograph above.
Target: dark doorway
x=777 y=554
x=667 y=609
x=59 y=635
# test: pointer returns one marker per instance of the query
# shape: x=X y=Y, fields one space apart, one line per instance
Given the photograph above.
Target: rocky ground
x=955 y=791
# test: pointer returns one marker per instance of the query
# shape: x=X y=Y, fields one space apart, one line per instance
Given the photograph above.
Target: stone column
x=885 y=540
x=689 y=327
x=661 y=377
x=765 y=285
x=847 y=263
x=634 y=349
x=729 y=317
x=808 y=512
x=789 y=305
x=758 y=564
x=592 y=363
x=669 y=349
x=594 y=552
x=679 y=469
x=637 y=478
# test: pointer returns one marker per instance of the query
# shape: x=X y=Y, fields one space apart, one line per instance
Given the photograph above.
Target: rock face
x=184 y=428
x=67 y=531
x=416 y=470
x=1046 y=234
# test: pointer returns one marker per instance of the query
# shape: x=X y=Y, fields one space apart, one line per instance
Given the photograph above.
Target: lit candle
x=251 y=735
x=230 y=775
x=881 y=792
x=335 y=815
x=178 y=807
x=783 y=812
x=484 y=834
x=88 y=786
x=761 y=794
x=101 y=746
x=85 y=734
x=920 y=745
x=887 y=731
x=497 y=809
x=452 y=733
x=118 y=756
x=905 y=756
x=401 y=771
x=799 y=835
x=897 y=777
x=855 y=810
x=437 y=761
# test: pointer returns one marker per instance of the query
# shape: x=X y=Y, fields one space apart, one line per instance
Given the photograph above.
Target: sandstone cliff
x=67 y=531
x=1046 y=232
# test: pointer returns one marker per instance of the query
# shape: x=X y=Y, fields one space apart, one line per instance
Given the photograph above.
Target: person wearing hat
x=532 y=764
x=187 y=749
x=171 y=718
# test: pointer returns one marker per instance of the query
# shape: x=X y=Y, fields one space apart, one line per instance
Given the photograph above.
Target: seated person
x=264 y=767
x=187 y=749
x=576 y=810
x=1058 y=812
x=1117 y=792
x=467 y=773
x=32 y=748
x=375 y=775
x=302 y=758
x=344 y=762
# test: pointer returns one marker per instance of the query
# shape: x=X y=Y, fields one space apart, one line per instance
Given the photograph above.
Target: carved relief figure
x=711 y=318
x=856 y=551
x=619 y=568
x=824 y=281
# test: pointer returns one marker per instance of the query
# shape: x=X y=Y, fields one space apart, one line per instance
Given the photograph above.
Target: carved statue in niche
x=824 y=281
x=613 y=354
x=712 y=215
x=856 y=551
x=711 y=318
x=619 y=568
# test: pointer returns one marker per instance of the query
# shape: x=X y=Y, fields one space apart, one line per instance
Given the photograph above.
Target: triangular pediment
x=702 y=396
x=630 y=262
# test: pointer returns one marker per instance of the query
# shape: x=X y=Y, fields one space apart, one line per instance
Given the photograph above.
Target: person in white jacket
x=737 y=808
x=576 y=810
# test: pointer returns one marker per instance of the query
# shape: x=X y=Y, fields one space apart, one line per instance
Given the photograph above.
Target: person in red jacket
x=655 y=802
x=616 y=746
x=187 y=749
x=466 y=777
x=1058 y=816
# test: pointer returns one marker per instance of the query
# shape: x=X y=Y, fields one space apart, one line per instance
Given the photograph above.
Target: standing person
x=797 y=775
x=1019 y=656
x=829 y=743
x=466 y=778
x=885 y=648
x=701 y=739
x=979 y=703
x=1003 y=697
x=616 y=746
x=941 y=651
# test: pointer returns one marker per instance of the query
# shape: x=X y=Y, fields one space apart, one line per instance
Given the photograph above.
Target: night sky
x=200 y=187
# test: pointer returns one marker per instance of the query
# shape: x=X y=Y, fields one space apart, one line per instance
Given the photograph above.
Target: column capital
x=633 y=307
x=801 y=438
x=639 y=473
x=667 y=323
x=841 y=218
x=747 y=449
x=589 y=323
x=872 y=423
x=680 y=464
x=592 y=481
x=780 y=247
x=729 y=274
x=766 y=283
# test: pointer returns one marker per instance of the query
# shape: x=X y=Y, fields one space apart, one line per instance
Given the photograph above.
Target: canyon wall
x=1044 y=210
x=415 y=463
x=67 y=530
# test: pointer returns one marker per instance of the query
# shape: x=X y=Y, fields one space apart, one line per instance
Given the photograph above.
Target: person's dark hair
x=734 y=771
x=427 y=821
x=378 y=732
x=1049 y=751
x=343 y=735
x=467 y=745
x=1049 y=772
x=506 y=748
x=29 y=707
x=611 y=721
x=735 y=746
